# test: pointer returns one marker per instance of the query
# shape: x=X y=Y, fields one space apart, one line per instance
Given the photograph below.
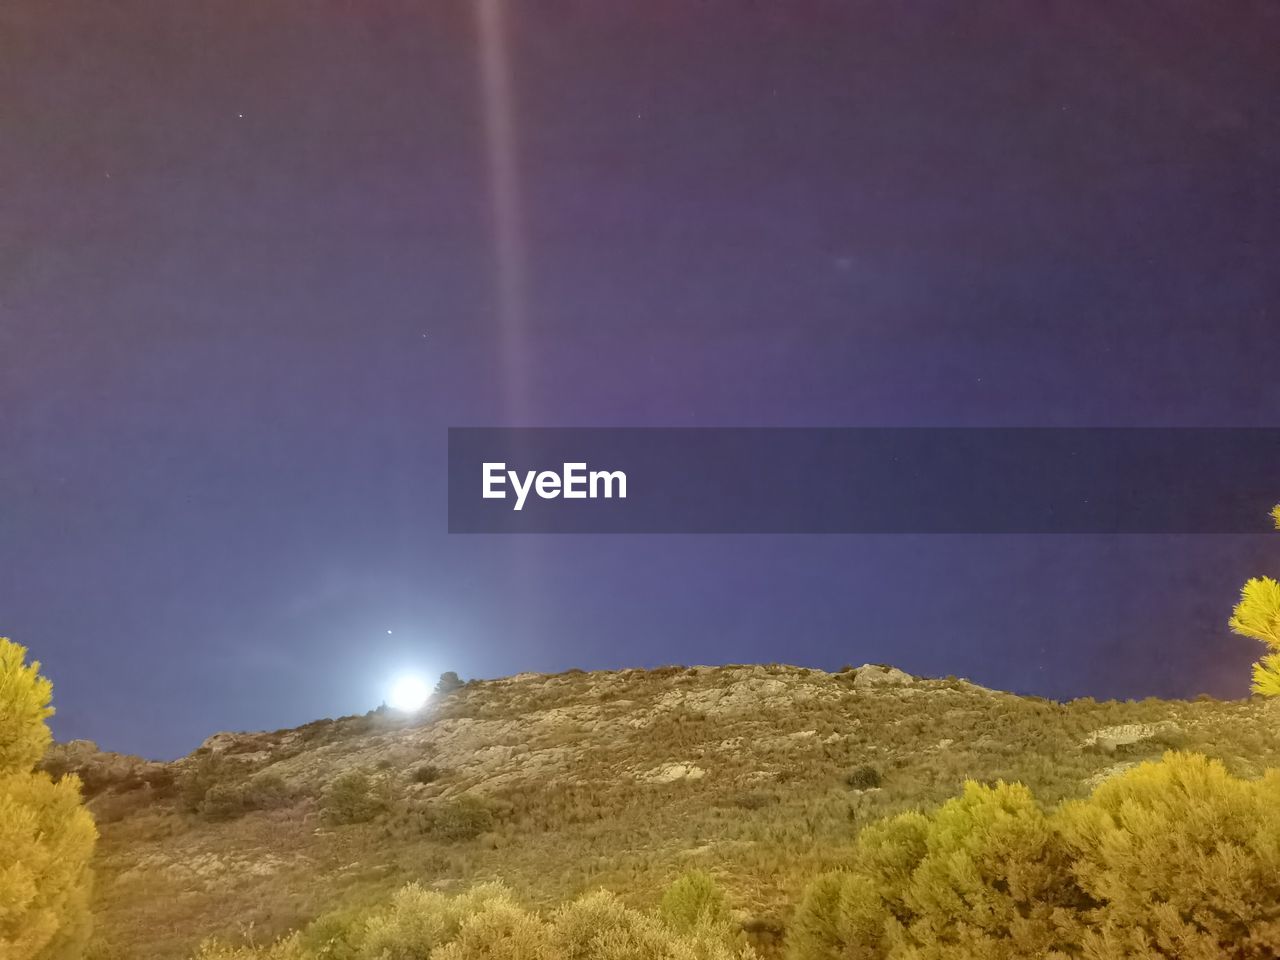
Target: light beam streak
x=510 y=253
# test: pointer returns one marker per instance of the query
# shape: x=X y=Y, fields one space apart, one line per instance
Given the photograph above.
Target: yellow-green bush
x=1182 y=860
x=46 y=836
x=1171 y=859
x=694 y=900
x=290 y=948
x=1257 y=615
x=486 y=923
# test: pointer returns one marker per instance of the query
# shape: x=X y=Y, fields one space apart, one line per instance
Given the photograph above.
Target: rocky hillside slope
x=558 y=784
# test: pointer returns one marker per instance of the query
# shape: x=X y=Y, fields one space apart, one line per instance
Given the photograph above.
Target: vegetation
x=46 y=836
x=486 y=922
x=427 y=773
x=351 y=799
x=221 y=788
x=448 y=682
x=1257 y=615
x=863 y=777
x=624 y=780
x=991 y=874
x=462 y=819
x=694 y=901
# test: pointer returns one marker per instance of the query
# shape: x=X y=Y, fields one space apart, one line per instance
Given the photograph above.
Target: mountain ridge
x=560 y=783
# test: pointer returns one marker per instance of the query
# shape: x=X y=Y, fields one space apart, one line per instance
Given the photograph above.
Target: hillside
x=760 y=775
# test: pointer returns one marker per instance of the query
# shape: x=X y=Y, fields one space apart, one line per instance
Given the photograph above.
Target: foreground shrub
x=840 y=915
x=486 y=923
x=1172 y=859
x=1180 y=855
x=418 y=921
x=290 y=948
x=46 y=835
x=693 y=901
x=499 y=930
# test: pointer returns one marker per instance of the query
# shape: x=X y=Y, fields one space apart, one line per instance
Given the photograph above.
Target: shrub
x=334 y=936
x=462 y=819
x=1187 y=836
x=754 y=800
x=228 y=800
x=692 y=901
x=599 y=926
x=350 y=799
x=288 y=948
x=486 y=923
x=222 y=801
x=266 y=791
x=990 y=874
x=208 y=771
x=46 y=835
x=219 y=789
x=499 y=930
x=417 y=921
x=448 y=682
x=427 y=773
x=839 y=916
x=865 y=777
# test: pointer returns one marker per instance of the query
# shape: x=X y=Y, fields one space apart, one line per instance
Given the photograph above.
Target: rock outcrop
x=100 y=770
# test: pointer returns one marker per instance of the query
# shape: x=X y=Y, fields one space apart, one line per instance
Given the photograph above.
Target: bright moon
x=408 y=693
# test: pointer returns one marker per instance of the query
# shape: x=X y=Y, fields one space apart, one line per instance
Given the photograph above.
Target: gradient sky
x=251 y=274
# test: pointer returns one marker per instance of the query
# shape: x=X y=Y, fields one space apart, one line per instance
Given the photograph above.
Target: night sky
x=258 y=256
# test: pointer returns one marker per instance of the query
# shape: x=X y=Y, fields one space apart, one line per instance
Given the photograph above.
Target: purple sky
x=249 y=278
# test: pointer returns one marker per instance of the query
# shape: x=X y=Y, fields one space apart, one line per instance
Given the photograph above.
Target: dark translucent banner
x=862 y=480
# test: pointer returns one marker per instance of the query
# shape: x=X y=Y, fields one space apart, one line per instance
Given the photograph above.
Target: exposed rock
x=671 y=772
x=1109 y=738
x=101 y=770
x=242 y=746
x=971 y=687
x=220 y=742
x=1102 y=776
x=872 y=675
